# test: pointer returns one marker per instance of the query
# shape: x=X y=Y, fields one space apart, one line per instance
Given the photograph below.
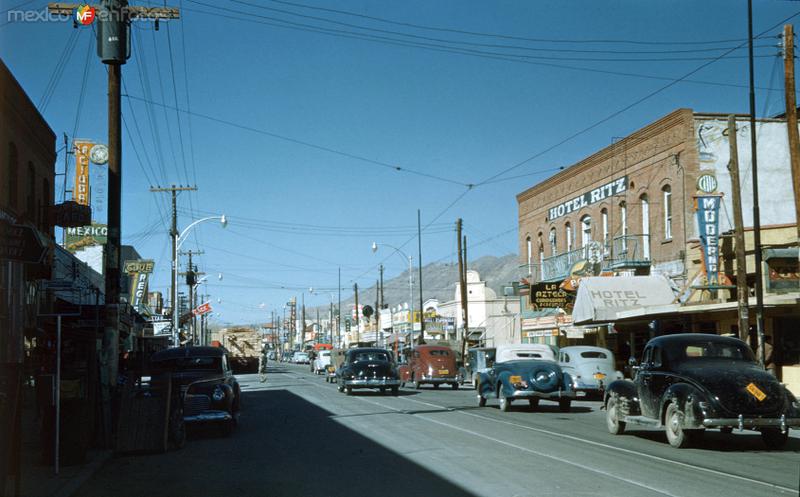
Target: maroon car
x=431 y=364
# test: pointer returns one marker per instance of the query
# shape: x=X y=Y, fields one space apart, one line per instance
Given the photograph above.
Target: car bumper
x=533 y=394
x=371 y=383
x=742 y=423
x=434 y=380
x=208 y=417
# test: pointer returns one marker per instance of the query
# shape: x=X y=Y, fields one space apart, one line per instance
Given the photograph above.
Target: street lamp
x=375 y=246
x=177 y=241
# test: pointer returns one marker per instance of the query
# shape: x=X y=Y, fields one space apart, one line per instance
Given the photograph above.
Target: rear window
x=371 y=356
x=440 y=352
x=533 y=355
x=324 y=354
x=594 y=354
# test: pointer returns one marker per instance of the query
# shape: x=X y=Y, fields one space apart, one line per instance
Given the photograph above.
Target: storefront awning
x=603 y=299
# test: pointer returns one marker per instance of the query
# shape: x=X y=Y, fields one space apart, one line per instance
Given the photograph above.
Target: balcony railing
x=629 y=251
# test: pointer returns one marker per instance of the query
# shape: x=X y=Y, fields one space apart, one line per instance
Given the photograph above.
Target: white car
x=322 y=360
x=300 y=358
x=591 y=369
x=523 y=352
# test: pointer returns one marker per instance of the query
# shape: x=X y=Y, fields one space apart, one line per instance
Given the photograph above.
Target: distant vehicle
x=208 y=387
x=525 y=372
x=300 y=358
x=368 y=367
x=479 y=360
x=244 y=349
x=322 y=361
x=430 y=364
x=591 y=369
x=689 y=382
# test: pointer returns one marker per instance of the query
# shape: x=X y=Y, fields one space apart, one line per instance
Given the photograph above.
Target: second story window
x=13 y=171
x=623 y=220
x=568 y=234
x=604 y=227
x=529 y=251
x=31 y=197
x=586 y=230
x=667 y=194
x=645 y=203
x=553 y=242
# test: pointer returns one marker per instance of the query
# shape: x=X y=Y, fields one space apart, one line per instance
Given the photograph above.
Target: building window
x=45 y=227
x=667 y=193
x=541 y=251
x=623 y=219
x=553 y=242
x=586 y=230
x=568 y=233
x=13 y=167
x=643 y=200
x=529 y=252
x=604 y=222
x=31 y=200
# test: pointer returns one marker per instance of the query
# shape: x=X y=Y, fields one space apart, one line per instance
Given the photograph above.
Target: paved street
x=300 y=437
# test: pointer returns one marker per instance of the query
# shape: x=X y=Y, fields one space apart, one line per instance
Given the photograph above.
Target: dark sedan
x=689 y=382
x=368 y=368
x=208 y=388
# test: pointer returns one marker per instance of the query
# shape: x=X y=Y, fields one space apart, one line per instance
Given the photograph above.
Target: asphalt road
x=300 y=437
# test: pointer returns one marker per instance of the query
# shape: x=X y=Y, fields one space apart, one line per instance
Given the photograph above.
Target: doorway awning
x=603 y=299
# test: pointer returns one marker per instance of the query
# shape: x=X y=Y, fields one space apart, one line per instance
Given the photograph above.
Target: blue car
x=525 y=372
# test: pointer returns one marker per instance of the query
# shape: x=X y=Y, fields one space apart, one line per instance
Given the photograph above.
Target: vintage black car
x=689 y=382
x=368 y=368
x=209 y=391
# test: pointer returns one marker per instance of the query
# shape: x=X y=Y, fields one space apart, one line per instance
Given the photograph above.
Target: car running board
x=643 y=421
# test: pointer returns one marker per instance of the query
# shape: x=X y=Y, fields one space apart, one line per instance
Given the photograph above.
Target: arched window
x=667 y=200
x=529 y=252
x=645 y=203
x=541 y=249
x=13 y=168
x=604 y=222
x=586 y=230
x=553 y=242
x=568 y=234
x=623 y=220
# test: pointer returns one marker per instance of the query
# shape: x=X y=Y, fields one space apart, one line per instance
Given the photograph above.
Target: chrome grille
x=195 y=404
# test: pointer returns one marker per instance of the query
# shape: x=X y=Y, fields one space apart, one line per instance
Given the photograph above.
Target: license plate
x=599 y=376
x=444 y=371
x=515 y=379
x=756 y=392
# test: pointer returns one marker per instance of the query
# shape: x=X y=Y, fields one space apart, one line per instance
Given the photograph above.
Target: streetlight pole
x=178 y=239
x=375 y=246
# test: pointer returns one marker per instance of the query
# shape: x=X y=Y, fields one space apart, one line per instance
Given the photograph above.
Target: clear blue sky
x=462 y=116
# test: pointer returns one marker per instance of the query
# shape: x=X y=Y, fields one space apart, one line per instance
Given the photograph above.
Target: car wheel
x=677 y=436
x=774 y=438
x=533 y=403
x=615 y=426
x=349 y=390
x=481 y=401
x=454 y=386
x=564 y=405
x=505 y=402
x=395 y=391
x=727 y=430
x=436 y=386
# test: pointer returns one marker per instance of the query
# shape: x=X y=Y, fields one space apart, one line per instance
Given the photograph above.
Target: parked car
x=591 y=369
x=430 y=364
x=367 y=367
x=300 y=358
x=525 y=372
x=208 y=387
x=321 y=362
x=687 y=383
x=479 y=360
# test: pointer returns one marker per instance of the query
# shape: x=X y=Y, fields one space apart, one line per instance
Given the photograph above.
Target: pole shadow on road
x=716 y=441
x=284 y=446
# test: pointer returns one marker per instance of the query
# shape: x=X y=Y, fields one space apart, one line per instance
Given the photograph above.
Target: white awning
x=603 y=299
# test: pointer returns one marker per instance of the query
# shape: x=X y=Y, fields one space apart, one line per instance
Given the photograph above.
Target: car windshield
x=193 y=364
x=371 y=356
x=708 y=349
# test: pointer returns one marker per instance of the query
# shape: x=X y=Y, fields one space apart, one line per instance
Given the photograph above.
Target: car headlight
x=542 y=377
x=218 y=394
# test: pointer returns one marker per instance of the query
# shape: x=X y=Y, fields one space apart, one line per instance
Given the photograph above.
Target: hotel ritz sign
x=602 y=192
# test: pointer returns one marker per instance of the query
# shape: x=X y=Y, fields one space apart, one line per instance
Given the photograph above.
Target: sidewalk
x=38 y=478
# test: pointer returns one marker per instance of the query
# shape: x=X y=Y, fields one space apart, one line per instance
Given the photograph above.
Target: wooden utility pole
x=113 y=35
x=791 y=121
x=742 y=293
x=462 y=281
x=358 y=333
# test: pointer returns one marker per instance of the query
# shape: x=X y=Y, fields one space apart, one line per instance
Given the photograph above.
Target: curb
x=87 y=472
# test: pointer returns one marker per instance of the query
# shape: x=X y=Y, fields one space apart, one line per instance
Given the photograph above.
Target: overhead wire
x=58 y=70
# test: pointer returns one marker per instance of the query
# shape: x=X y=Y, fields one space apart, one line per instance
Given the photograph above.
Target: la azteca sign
x=603 y=192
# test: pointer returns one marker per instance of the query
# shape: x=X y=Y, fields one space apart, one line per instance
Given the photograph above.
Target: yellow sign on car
x=756 y=392
x=444 y=371
x=515 y=379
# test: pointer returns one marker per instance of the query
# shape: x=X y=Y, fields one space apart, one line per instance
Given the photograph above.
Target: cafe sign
x=550 y=296
x=603 y=192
